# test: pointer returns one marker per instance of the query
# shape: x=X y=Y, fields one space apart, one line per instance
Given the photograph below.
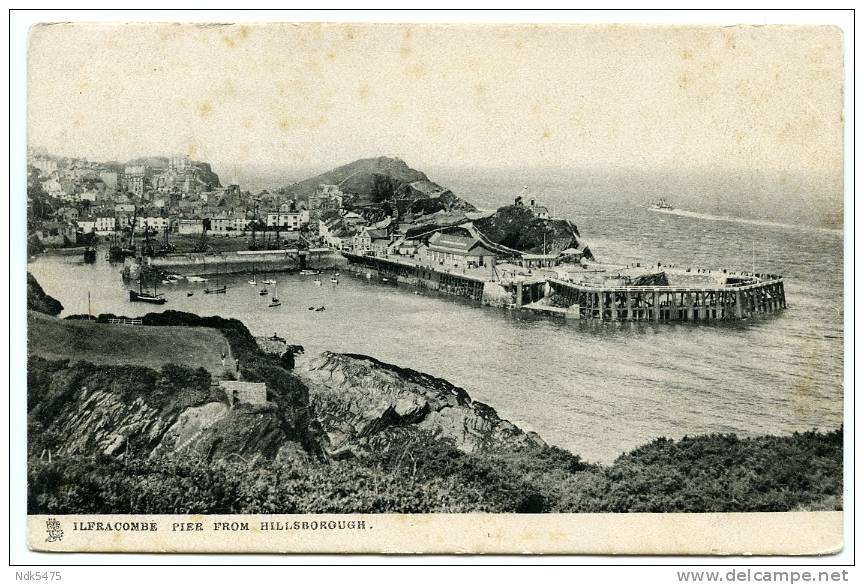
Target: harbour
x=596 y=387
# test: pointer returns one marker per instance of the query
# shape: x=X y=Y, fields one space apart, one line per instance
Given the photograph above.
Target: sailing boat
x=269 y=281
x=142 y=297
x=274 y=301
x=215 y=290
x=253 y=282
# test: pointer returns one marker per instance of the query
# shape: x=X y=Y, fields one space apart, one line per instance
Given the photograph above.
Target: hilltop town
x=375 y=207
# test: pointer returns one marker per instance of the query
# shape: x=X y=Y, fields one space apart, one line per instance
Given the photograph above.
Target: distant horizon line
x=285 y=167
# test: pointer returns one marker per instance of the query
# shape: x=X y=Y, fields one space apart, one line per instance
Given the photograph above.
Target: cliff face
x=363 y=403
x=357 y=402
x=38 y=301
x=82 y=409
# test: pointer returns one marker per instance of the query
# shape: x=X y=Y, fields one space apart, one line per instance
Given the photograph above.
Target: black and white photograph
x=291 y=286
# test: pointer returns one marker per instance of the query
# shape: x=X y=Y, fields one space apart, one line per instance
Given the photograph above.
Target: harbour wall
x=246 y=261
x=419 y=276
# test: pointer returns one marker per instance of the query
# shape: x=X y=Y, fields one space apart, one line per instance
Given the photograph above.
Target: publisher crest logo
x=55 y=532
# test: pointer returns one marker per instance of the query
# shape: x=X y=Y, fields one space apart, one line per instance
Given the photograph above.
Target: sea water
x=593 y=388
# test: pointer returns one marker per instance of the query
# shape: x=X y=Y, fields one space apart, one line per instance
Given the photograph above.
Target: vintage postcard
x=435 y=288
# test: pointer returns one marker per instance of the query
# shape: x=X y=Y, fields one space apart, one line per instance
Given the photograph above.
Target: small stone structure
x=249 y=392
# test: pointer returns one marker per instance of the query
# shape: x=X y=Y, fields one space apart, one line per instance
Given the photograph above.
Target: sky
x=494 y=96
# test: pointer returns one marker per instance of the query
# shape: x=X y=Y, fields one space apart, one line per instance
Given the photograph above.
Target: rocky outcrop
x=202 y=171
x=40 y=302
x=359 y=401
x=521 y=228
x=85 y=409
x=246 y=430
x=100 y=422
x=205 y=175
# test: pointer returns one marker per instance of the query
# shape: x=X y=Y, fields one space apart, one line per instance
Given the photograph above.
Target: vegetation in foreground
x=411 y=473
x=713 y=473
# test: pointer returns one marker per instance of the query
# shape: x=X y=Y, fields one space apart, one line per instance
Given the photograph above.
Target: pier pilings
x=667 y=303
x=739 y=298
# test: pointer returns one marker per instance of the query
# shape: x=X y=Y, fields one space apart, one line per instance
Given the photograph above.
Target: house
x=539 y=260
x=89 y=195
x=336 y=234
x=68 y=214
x=53 y=188
x=54 y=233
x=105 y=224
x=325 y=197
x=404 y=247
x=288 y=219
x=539 y=211
x=228 y=225
x=375 y=241
x=190 y=226
x=86 y=224
x=134 y=170
x=135 y=185
x=361 y=243
x=354 y=219
x=154 y=222
x=459 y=251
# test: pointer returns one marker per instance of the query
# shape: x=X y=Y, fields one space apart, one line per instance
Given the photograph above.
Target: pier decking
x=615 y=294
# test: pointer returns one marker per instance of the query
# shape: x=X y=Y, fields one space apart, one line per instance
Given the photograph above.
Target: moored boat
x=140 y=296
x=274 y=301
x=137 y=297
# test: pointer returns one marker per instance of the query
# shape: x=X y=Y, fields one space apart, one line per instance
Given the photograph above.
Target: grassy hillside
x=126 y=345
x=375 y=178
x=713 y=473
